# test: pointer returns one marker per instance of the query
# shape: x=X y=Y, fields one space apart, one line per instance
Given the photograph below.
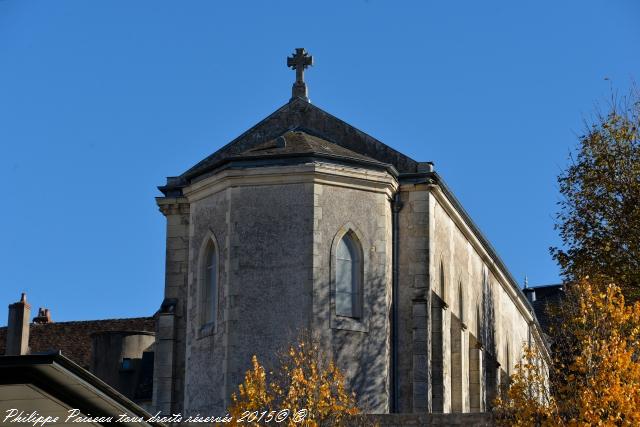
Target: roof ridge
x=88 y=321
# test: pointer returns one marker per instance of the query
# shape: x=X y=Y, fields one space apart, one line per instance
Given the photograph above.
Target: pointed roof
x=299 y=141
x=305 y=128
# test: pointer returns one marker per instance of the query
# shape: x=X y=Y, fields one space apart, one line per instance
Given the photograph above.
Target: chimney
x=18 y=328
x=43 y=317
x=530 y=293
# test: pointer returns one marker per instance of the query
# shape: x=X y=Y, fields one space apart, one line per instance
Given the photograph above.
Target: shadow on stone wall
x=364 y=357
x=488 y=336
x=401 y=420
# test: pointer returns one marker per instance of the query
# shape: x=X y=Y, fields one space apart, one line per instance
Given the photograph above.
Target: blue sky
x=100 y=100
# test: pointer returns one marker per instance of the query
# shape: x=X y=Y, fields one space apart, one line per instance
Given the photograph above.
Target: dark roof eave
x=555 y=285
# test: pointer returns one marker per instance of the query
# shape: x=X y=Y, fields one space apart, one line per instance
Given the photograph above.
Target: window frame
x=361 y=323
x=208 y=250
x=356 y=268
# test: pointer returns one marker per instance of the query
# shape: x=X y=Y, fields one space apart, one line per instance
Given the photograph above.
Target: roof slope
x=51 y=385
x=74 y=338
x=300 y=115
x=300 y=142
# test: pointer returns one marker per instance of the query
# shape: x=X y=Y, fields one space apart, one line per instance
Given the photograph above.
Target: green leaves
x=599 y=217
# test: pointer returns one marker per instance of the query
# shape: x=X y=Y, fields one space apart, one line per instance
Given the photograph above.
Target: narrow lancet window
x=209 y=290
x=349 y=271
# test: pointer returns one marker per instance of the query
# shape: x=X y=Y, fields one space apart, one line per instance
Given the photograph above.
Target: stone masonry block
x=420 y=322
x=417 y=243
x=163 y=390
x=177 y=230
x=420 y=364
x=418 y=195
x=420 y=206
x=174 y=243
x=178 y=255
x=420 y=281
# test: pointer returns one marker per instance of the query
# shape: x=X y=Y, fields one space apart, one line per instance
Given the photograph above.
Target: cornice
x=173 y=205
x=312 y=172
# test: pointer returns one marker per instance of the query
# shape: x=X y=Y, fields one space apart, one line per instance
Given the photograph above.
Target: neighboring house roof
x=543 y=298
x=52 y=385
x=74 y=338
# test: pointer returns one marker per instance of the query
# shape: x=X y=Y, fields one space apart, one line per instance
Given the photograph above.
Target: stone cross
x=299 y=61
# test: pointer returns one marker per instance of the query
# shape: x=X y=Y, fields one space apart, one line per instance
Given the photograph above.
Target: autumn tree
x=595 y=379
x=307 y=384
x=528 y=399
x=599 y=217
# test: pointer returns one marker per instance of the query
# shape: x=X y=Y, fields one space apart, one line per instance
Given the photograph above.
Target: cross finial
x=299 y=61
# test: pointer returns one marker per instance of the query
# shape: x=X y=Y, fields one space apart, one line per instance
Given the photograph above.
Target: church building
x=305 y=223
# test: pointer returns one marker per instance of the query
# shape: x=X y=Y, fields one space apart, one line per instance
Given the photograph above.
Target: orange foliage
x=528 y=401
x=305 y=382
x=595 y=375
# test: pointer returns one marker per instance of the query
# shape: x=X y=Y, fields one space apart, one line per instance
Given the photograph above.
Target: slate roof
x=300 y=142
x=332 y=134
x=74 y=338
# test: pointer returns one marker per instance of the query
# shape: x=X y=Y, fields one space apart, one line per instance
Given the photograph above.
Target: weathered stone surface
x=360 y=348
x=401 y=420
x=168 y=381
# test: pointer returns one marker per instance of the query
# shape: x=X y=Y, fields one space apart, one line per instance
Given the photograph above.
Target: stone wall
x=401 y=420
x=483 y=310
x=270 y=273
x=276 y=231
x=168 y=380
x=263 y=237
x=414 y=317
x=361 y=347
x=206 y=348
x=461 y=325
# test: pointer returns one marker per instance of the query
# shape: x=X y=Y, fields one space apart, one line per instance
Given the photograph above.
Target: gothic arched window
x=349 y=272
x=209 y=285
